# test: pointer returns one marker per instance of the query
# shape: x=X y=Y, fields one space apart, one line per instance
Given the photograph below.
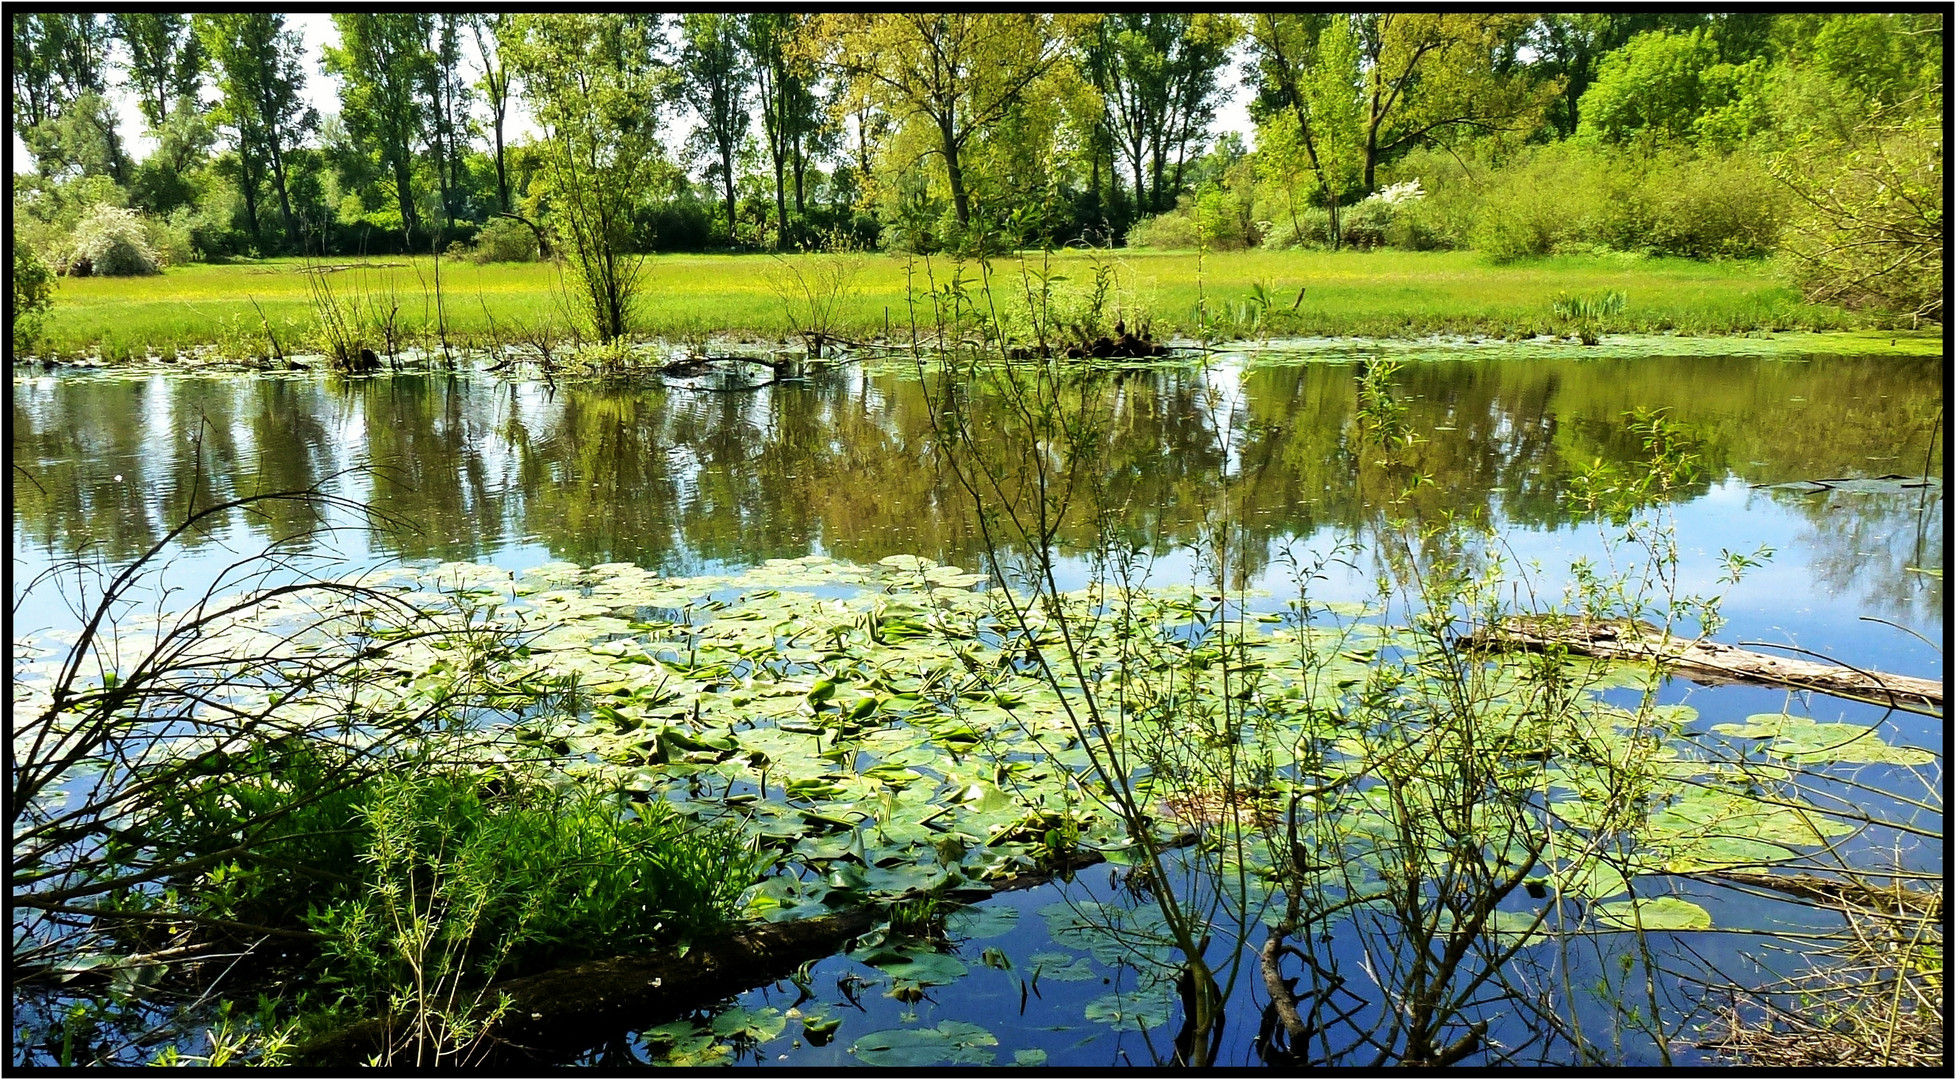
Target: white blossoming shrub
x=112 y=241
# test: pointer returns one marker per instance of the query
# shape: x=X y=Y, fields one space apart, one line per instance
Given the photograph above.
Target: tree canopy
x=914 y=130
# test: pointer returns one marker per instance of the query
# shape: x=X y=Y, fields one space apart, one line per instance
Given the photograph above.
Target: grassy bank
x=1380 y=294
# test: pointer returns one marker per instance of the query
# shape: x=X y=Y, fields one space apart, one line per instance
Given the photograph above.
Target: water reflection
x=844 y=464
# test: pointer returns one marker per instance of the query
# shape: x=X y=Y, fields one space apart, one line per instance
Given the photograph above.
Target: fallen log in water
x=1703 y=661
x=1841 y=891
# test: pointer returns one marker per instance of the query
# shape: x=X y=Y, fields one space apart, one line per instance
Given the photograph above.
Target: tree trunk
x=404 y=194
x=502 y=170
x=248 y=187
x=726 y=177
x=960 y=199
x=284 y=198
x=800 y=160
x=1705 y=661
x=1371 y=155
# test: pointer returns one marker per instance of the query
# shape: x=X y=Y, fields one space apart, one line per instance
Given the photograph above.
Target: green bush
x=1309 y=228
x=1365 y=222
x=1172 y=231
x=1869 y=228
x=170 y=238
x=1713 y=206
x=505 y=240
x=1216 y=217
x=309 y=856
x=1571 y=198
x=28 y=298
x=1540 y=204
x=112 y=241
x=504 y=872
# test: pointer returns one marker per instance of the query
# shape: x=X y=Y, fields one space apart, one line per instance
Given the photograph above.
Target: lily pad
x=952 y=1042
x=753 y=1025
x=1810 y=742
x=982 y=921
x=1128 y=1012
x=1660 y=913
x=922 y=968
x=1064 y=967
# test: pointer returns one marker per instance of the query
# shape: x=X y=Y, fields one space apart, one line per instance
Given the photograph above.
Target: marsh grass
x=1389 y=294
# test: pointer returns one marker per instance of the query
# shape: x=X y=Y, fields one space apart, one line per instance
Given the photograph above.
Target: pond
x=843 y=465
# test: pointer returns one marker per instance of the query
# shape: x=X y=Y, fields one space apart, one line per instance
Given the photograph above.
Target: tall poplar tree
x=490 y=31
x=255 y=62
x=386 y=72
x=714 y=75
x=1158 y=73
x=790 y=111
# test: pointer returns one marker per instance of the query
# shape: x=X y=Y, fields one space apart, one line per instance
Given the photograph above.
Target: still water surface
x=843 y=464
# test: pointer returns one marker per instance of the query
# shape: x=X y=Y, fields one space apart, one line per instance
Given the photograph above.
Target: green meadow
x=233 y=307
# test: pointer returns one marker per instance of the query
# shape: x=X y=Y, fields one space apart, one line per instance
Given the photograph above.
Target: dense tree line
x=924 y=131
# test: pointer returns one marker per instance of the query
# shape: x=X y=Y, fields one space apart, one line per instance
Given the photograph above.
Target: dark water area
x=843 y=464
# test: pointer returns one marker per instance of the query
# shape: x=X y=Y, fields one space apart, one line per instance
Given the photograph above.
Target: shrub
x=1547 y=201
x=1713 y=206
x=505 y=240
x=1365 y=222
x=1311 y=227
x=112 y=241
x=504 y=870
x=171 y=238
x=30 y=293
x=1869 y=229
x=1171 y=230
x=1216 y=217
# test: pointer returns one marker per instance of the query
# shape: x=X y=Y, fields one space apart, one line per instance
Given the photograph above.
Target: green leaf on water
x=685 y=1046
x=1661 y=913
x=1065 y=967
x=952 y=1042
x=757 y=1025
x=1128 y=1012
x=922 y=968
x=981 y=921
x=1809 y=742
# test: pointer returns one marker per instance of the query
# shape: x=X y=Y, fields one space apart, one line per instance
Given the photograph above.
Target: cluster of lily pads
x=884 y=731
x=896 y=730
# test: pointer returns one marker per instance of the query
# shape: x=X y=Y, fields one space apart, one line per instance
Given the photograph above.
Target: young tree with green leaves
x=790 y=112
x=593 y=85
x=256 y=65
x=1666 y=87
x=1307 y=111
x=1568 y=47
x=714 y=75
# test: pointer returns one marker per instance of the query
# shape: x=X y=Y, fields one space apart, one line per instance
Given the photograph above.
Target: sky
x=322 y=93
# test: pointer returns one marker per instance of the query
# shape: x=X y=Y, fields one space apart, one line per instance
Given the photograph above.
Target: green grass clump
x=266 y=308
